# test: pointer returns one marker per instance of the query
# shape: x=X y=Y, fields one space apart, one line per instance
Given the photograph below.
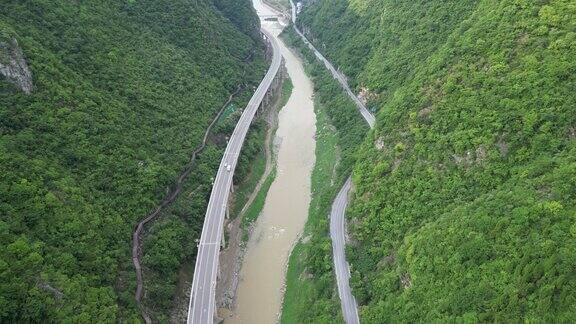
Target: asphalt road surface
x=342 y=269
x=338 y=212
x=368 y=116
x=201 y=309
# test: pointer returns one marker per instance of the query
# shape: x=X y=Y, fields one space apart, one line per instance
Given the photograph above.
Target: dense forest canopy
x=465 y=193
x=123 y=92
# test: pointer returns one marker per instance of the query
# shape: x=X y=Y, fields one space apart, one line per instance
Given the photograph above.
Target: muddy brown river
x=285 y=211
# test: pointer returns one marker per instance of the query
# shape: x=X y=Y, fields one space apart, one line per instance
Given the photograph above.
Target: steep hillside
x=466 y=191
x=122 y=92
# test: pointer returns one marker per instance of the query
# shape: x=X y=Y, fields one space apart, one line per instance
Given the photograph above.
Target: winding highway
x=368 y=116
x=202 y=306
x=338 y=212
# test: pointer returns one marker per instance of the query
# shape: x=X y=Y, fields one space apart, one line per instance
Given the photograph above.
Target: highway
x=202 y=306
x=338 y=211
x=368 y=116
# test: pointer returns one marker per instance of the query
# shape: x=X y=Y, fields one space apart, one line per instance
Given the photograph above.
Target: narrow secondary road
x=201 y=309
x=368 y=116
x=337 y=232
x=338 y=212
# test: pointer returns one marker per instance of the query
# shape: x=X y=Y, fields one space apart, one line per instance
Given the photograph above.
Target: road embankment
x=340 y=131
x=244 y=211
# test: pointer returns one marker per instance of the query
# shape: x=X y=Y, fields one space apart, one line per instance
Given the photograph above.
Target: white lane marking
x=218 y=194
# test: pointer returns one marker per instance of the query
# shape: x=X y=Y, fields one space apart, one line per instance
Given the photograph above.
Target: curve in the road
x=368 y=116
x=341 y=267
x=201 y=309
x=338 y=212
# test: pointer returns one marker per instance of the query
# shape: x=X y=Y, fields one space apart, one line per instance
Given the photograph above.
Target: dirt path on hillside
x=170 y=197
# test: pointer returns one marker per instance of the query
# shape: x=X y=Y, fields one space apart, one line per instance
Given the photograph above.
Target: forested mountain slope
x=122 y=93
x=465 y=199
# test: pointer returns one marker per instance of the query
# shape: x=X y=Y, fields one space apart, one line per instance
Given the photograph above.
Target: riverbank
x=237 y=228
x=255 y=138
x=311 y=293
x=284 y=212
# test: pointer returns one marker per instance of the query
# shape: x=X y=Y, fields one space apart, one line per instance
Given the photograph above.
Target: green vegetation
x=311 y=295
x=123 y=93
x=466 y=190
x=168 y=250
x=287 y=88
x=342 y=112
x=300 y=290
x=252 y=161
x=255 y=208
x=251 y=165
x=170 y=268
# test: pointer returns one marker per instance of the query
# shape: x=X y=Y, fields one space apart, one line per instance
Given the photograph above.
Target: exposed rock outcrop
x=366 y=95
x=406 y=280
x=13 y=65
x=58 y=295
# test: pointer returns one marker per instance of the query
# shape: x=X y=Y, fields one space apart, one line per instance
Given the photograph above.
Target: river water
x=285 y=211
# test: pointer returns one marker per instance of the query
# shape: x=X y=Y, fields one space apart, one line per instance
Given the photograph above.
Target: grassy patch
x=247 y=186
x=311 y=294
x=255 y=208
x=302 y=288
x=287 y=88
x=256 y=165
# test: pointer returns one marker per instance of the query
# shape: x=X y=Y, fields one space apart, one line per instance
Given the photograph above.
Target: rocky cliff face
x=13 y=65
